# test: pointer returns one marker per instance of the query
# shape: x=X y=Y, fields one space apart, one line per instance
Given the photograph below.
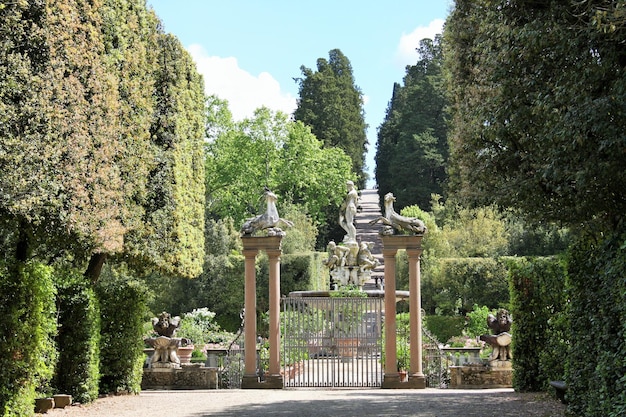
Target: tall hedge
x=28 y=323
x=538 y=305
x=453 y=285
x=123 y=311
x=78 y=339
x=596 y=368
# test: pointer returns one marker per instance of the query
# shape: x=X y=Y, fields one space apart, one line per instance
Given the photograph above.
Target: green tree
x=171 y=236
x=412 y=146
x=332 y=105
x=537 y=112
x=280 y=154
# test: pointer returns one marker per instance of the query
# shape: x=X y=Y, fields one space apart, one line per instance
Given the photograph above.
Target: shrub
x=78 y=338
x=596 y=368
x=123 y=312
x=28 y=355
x=538 y=303
x=445 y=327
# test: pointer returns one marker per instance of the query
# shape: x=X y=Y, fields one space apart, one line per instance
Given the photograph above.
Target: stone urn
x=184 y=354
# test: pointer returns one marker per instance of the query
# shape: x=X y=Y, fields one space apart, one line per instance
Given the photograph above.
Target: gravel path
x=321 y=403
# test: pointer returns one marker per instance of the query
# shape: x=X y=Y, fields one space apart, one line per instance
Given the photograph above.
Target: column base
x=393 y=381
x=271 y=382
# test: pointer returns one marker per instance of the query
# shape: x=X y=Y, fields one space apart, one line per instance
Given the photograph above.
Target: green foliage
x=78 y=338
x=332 y=105
x=542 y=135
x=476 y=321
x=444 y=327
x=123 y=311
x=538 y=303
x=199 y=325
x=27 y=352
x=454 y=285
x=303 y=235
x=280 y=154
x=412 y=148
x=597 y=313
x=172 y=234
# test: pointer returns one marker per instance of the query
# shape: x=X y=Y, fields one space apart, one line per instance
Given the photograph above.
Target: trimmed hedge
x=78 y=338
x=596 y=367
x=445 y=327
x=538 y=307
x=123 y=311
x=452 y=286
x=28 y=323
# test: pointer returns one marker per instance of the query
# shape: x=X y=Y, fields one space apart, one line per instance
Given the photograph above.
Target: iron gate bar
x=332 y=342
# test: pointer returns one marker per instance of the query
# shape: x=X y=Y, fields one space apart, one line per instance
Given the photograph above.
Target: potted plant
x=403 y=358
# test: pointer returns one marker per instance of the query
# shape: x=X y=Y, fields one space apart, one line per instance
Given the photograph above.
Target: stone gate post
x=272 y=246
x=413 y=246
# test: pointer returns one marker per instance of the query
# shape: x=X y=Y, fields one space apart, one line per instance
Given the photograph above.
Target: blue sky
x=250 y=51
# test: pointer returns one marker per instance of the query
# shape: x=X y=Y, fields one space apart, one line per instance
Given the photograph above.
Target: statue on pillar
x=267 y=221
x=395 y=223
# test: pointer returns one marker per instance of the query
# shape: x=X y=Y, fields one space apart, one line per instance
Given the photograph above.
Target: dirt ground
x=326 y=403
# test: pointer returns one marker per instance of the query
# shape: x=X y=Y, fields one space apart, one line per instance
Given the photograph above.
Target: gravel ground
x=321 y=403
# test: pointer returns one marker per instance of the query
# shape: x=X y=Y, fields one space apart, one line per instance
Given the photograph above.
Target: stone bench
x=560 y=388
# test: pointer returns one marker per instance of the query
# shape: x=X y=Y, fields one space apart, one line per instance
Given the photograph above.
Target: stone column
x=251 y=246
x=250 y=374
x=416 y=376
x=274 y=297
x=391 y=369
x=391 y=245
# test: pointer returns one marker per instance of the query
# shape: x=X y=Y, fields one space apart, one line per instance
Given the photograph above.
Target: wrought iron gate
x=332 y=342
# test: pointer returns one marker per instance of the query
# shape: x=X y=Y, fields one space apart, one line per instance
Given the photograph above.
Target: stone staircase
x=369 y=209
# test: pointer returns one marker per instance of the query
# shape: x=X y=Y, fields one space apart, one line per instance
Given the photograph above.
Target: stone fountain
x=164 y=370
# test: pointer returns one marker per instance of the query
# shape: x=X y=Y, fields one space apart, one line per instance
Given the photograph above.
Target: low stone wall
x=186 y=377
x=480 y=376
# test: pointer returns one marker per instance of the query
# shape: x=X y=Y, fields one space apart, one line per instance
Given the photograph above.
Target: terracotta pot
x=184 y=354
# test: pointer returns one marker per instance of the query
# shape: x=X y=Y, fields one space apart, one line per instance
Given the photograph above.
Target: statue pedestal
x=481 y=376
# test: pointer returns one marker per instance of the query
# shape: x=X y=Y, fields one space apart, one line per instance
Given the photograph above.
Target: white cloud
x=245 y=92
x=406 y=53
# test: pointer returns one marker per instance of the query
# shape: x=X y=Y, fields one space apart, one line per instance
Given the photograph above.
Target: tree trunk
x=95 y=266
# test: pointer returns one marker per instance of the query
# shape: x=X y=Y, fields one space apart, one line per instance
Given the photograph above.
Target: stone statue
x=165 y=324
x=394 y=222
x=165 y=345
x=501 y=338
x=366 y=260
x=348 y=211
x=336 y=255
x=267 y=221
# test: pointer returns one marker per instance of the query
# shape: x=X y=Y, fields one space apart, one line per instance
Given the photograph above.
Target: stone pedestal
x=187 y=377
x=480 y=376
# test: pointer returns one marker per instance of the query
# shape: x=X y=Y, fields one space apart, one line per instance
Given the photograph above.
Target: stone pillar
x=412 y=244
x=416 y=376
x=251 y=246
x=249 y=334
x=274 y=298
x=391 y=369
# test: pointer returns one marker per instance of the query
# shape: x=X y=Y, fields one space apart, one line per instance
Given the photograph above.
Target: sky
x=250 y=51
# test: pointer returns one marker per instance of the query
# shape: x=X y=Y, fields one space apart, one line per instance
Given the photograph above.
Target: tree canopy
x=412 y=149
x=332 y=105
x=537 y=99
x=269 y=150
x=84 y=94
